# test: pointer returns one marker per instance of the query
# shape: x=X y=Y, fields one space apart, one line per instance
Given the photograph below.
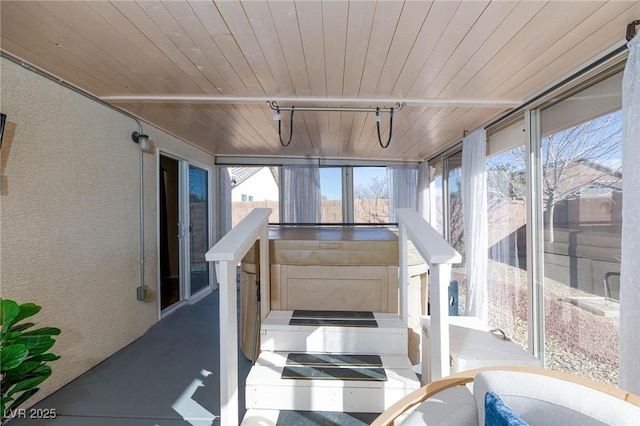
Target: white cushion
x=542 y=400
x=453 y=406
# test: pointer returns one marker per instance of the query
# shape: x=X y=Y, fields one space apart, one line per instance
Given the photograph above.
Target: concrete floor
x=173 y=367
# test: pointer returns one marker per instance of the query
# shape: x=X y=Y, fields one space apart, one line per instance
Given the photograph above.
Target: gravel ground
x=576 y=341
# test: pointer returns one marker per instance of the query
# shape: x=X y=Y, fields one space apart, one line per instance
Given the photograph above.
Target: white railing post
x=404 y=273
x=228 y=252
x=439 y=255
x=265 y=273
x=228 y=354
x=439 y=337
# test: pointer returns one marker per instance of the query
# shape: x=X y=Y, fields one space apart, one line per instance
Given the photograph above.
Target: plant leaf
x=10 y=311
x=46 y=331
x=20 y=327
x=32 y=379
x=21 y=370
x=11 y=335
x=43 y=357
x=36 y=344
x=27 y=310
x=12 y=356
x=22 y=398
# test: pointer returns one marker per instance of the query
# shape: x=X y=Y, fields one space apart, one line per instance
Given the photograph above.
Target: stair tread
x=306 y=418
x=397 y=378
x=321 y=372
x=385 y=322
x=335 y=322
x=352 y=360
x=306 y=313
x=279 y=359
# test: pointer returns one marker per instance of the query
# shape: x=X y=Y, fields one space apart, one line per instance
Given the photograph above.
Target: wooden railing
x=227 y=253
x=439 y=256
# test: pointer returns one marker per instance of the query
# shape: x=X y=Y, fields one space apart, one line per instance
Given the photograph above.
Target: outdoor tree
x=583 y=155
x=374 y=195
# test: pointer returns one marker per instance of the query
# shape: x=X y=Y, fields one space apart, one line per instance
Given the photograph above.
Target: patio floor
x=153 y=381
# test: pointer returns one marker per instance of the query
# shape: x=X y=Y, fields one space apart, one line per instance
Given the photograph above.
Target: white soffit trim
x=465 y=103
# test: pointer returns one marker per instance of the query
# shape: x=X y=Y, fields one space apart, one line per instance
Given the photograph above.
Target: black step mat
x=334 y=322
x=302 y=313
x=334 y=373
x=324 y=418
x=334 y=360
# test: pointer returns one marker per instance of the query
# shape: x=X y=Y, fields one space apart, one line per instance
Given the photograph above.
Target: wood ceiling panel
x=39 y=47
x=90 y=50
x=335 y=49
x=334 y=22
x=432 y=30
x=310 y=25
x=495 y=29
x=553 y=20
x=218 y=31
x=160 y=73
x=236 y=21
x=200 y=65
x=149 y=28
x=359 y=27
x=461 y=23
x=384 y=26
x=261 y=22
x=203 y=48
x=594 y=33
x=410 y=23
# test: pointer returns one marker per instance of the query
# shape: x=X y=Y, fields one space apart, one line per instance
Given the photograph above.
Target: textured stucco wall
x=69 y=218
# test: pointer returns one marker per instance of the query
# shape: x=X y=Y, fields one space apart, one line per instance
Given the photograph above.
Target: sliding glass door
x=185 y=230
x=198 y=229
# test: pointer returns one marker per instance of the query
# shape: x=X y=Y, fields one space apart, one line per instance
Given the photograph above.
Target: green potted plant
x=23 y=354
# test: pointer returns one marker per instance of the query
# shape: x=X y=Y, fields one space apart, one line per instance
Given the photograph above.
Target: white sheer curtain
x=424 y=181
x=630 y=267
x=474 y=207
x=402 y=182
x=302 y=194
x=224 y=203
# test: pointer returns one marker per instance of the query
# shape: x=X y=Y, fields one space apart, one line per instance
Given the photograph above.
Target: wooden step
x=388 y=337
x=266 y=389
x=306 y=418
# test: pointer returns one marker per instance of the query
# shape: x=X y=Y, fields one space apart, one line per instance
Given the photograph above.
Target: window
x=456 y=223
x=506 y=216
x=370 y=195
x=582 y=198
x=254 y=187
x=331 y=194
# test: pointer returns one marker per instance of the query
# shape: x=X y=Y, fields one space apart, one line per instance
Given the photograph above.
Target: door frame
x=183 y=209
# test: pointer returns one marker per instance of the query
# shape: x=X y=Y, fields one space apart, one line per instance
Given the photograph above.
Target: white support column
x=229 y=356
x=403 y=273
x=265 y=287
x=439 y=338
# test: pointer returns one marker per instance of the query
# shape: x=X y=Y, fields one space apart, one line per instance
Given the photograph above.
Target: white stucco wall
x=69 y=218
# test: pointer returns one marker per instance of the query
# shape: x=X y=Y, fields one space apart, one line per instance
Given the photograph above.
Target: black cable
x=290 y=127
x=390 y=127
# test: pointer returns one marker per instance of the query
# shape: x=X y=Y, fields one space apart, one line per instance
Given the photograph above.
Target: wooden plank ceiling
x=202 y=70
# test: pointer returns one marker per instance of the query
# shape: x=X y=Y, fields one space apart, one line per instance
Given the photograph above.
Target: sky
x=331 y=179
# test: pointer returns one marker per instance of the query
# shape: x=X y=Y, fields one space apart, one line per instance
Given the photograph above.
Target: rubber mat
x=324 y=418
x=301 y=313
x=334 y=360
x=334 y=322
x=334 y=373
